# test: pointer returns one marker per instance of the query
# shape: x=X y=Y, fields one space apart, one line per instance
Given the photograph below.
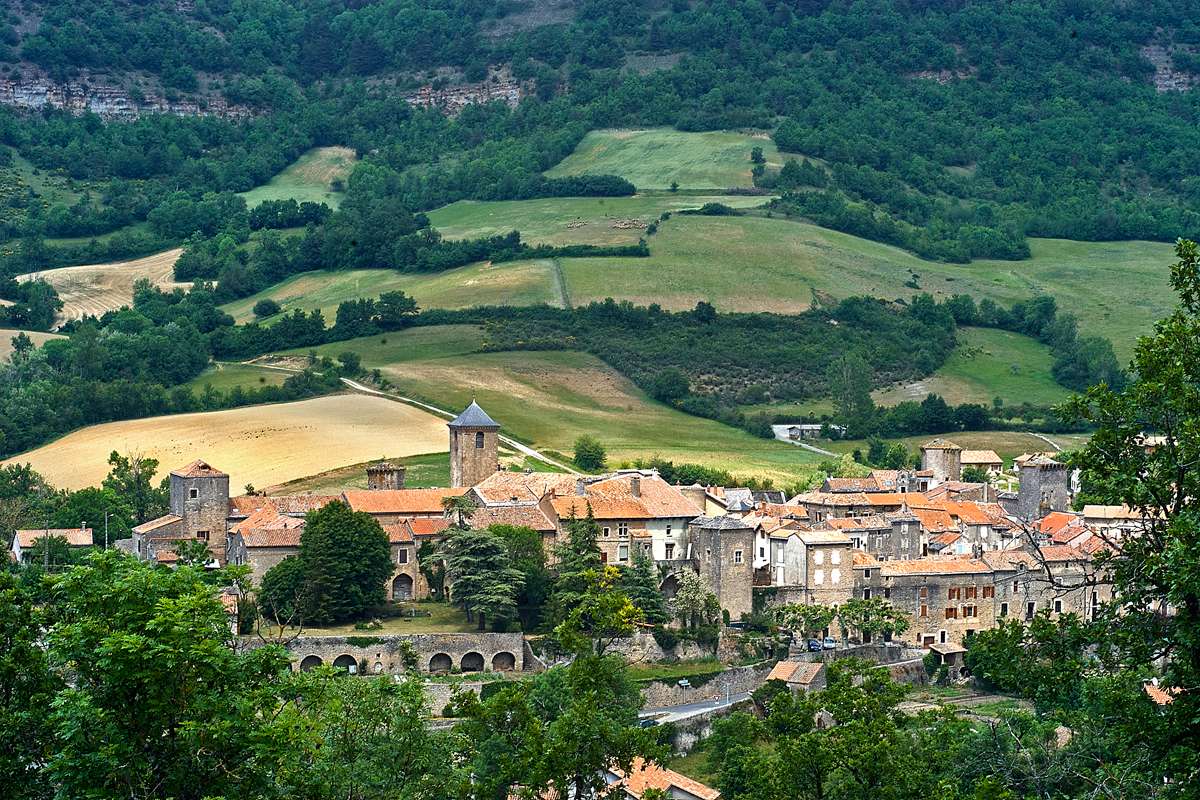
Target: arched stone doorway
x=347 y=662
x=670 y=586
x=402 y=587
x=310 y=662
x=440 y=663
x=472 y=662
x=504 y=662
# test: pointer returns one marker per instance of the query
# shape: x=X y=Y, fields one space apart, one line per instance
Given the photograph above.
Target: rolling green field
x=652 y=159
x=986 y=364
x=224 y=376
x=516 y=283
x=309 y=178
x=756 y=263
x=571 y=220
x=549 y=398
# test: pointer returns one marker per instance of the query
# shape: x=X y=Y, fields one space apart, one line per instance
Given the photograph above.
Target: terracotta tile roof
x=76 y=537
x=1111 y=512
x=870 y=523
x=1059 y=552
x=1024 y=457
x=946 y=539
x=399 y=533
x=199 y=469
x=968 y=512
x=267 y=518
x=802 y=672
x=812 y=537
x=1009 y=559
x=831 y=498
x=166 y=556
x=840 y=485
x=428 y=526
x=648 y=775
x=783 y=510
x=528 y=516
x=660 y=498
x=886 y=479
x=934 y=521
x=523 y=487
x=865 y=560
x=887 y=499
x=1093 y=544
x=1042 y=460
x=155 y=524
x=246 y=504
x=1056 y=521
x=977 y=457
x=1163 y=696
x=271 y=537
x=934 y=566
x=601 y=508
x=400 y=501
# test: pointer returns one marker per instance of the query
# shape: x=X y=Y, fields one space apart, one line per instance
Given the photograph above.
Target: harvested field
x=262 y=445
x=93 y=289
x=6 y=337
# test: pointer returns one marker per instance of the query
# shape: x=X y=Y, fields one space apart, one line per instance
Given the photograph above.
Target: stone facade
x=474 y=443
x=944 y=459
x=385 y=475
x=200 y=497
x=436 y=652
x=1045 y=487
x=723 y=549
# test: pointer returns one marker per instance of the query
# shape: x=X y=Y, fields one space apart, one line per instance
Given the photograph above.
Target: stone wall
x=437 y=695
x=663 y=693
x=687 y=733
x=641 y=647
x=436 y=652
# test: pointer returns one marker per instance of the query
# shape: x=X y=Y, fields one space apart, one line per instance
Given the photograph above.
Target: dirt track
x=93 y=289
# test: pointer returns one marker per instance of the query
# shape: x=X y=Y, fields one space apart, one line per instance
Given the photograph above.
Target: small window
x=762 y=552
x=818 y=556
x=202 y=535
x=969 y=593
x=623 y=553
x=989 y=591
x=951 y=612
x=1016 y=587
x=924 y=592
x=668 y=529
x=835 y=576
x=942 y=636
x=887 y=594
x=968 y=611
x=1004 y=609
x=924 y=611
x=670 y=551
x=1058 y=606
x=737 y=556
x=866 y=574
x=402 y=557
x=479 y=440
x=866 y=594
x=835 y=557
x=193 y=493
x=607 y=531
x=623 y=530
x=819 y=577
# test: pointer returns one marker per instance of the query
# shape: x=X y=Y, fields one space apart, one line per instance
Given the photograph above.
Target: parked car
x=830 y=643
x=814 y=646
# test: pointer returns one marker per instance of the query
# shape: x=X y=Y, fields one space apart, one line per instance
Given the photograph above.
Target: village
x=941 y=559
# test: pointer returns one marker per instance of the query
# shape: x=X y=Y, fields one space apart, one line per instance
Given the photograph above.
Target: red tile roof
x=76 y=537
x=527 y=516
x=272 y=537
x=803 y=672
x=399 y=501
x=648 y=775
x=934 y=566
x=199 y=469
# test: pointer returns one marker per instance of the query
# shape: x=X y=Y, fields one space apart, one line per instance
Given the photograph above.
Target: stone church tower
x=200 y=498
x=473 y=445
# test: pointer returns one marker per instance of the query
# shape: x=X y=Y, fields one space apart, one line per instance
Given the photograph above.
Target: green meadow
x=225 y=376
x=310 y=178
x=548 y=399
x=654 y=158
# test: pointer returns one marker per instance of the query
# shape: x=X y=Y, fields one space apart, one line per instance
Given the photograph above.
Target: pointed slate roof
x=474 y=417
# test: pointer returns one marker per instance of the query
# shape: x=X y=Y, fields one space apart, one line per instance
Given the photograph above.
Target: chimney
x=635 y=485
x=580 y=488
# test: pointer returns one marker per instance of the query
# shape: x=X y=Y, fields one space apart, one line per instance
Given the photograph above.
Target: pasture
x=986 y=364
x=93 y=289
x=308 y=179
x=260 y=445
x=225 y=376
x=654 y=158
x=6 y=336
x=484 y=283
x=549 y=398
x=571 y=220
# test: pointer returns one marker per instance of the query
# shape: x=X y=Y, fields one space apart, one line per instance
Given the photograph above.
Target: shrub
x=590 y=455
x=266 y=308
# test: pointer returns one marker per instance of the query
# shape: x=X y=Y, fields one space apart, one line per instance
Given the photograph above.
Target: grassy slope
x=225 y=376
x=550 y=398
x=308 y=178
x=569 y=220
x=520 y=283
x=756 y=263
x=652 y=159
x=425 y=471
x=987 y=364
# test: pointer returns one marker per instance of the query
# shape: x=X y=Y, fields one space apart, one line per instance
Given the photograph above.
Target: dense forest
x=976 y=123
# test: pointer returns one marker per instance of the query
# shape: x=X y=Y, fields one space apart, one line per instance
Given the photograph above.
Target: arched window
x=479 y=440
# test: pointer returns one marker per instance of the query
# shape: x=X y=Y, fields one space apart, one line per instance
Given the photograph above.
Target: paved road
x=676 y=713
x=782 y=435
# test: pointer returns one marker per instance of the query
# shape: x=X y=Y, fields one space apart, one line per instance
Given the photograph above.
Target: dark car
x=814 y=646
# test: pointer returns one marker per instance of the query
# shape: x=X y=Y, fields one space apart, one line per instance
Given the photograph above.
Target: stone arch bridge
x=435 y=653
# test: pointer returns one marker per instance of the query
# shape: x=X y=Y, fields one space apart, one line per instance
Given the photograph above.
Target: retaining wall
x=436 y=652
x=667 y=692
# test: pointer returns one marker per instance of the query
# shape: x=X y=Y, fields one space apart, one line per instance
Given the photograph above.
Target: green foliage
x=872 y=617
x=283 y=596
x=484 y=580
x=346 y=561
x=640 y=583
x=590 y=455
x=527 y=554
x=806 y=619
x=602 y=614
x=432 y=567
x=266 y=308
x=973 y=474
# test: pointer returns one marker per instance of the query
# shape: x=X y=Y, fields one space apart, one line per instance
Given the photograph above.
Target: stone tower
x=1045 y=487
x=723 y=550
x=944 y=459
x=200 y=498
x=385 y=475
x=473 y=445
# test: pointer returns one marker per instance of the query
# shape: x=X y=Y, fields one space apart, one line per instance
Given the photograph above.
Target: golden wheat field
x=6 y=337
x=93 y=289
x=260 y=445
